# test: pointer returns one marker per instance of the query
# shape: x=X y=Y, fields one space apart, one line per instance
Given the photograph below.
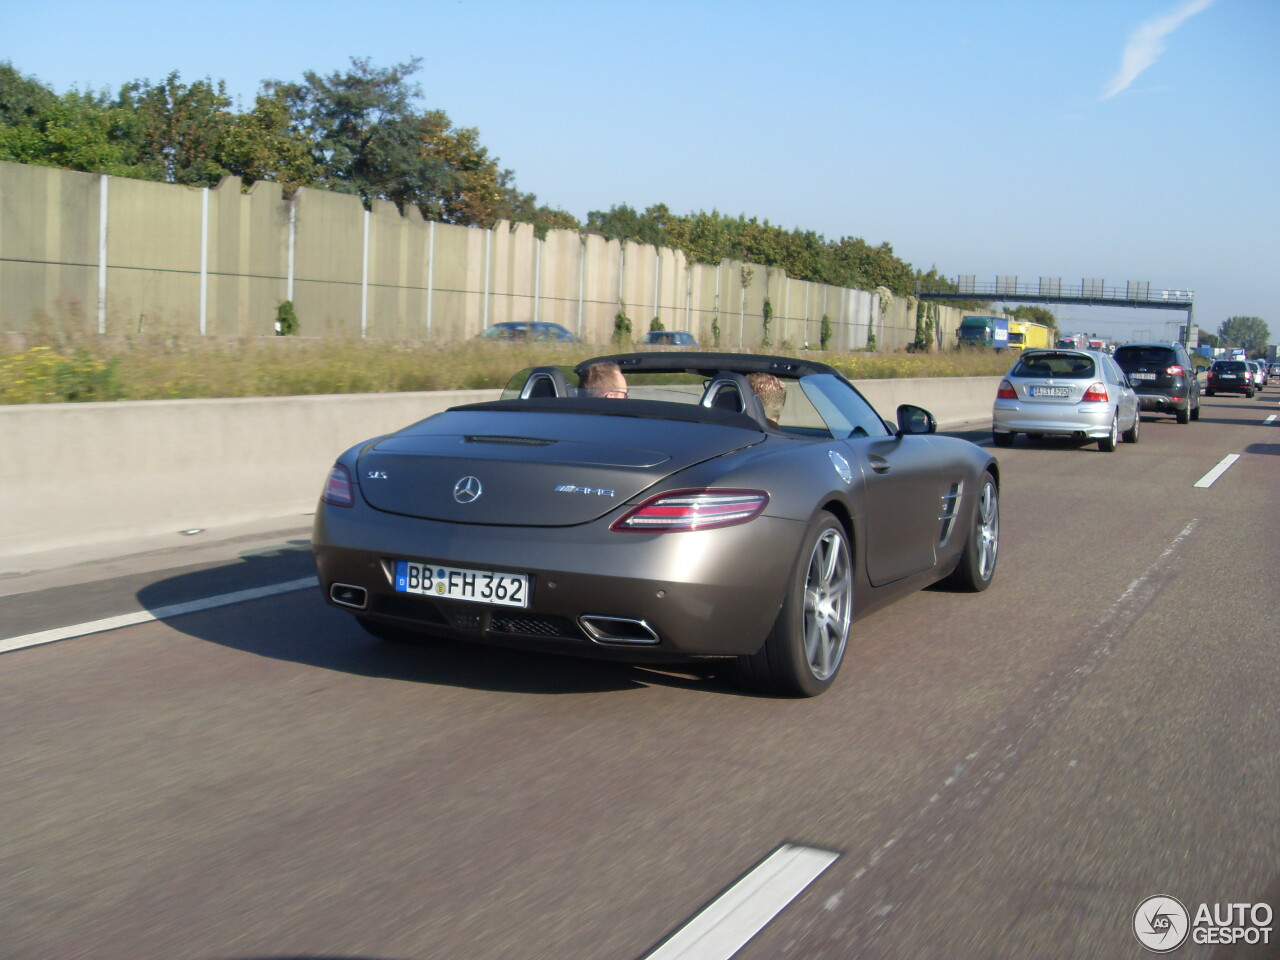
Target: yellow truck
x=1025 y=335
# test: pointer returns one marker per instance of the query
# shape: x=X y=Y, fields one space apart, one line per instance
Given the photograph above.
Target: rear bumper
x=1163 y=401
x=1091 y=420
x=676 y=595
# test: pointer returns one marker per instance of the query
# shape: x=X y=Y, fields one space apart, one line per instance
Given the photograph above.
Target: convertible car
x=677 y=517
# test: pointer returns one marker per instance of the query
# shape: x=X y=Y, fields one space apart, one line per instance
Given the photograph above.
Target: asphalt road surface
x=1009 y=774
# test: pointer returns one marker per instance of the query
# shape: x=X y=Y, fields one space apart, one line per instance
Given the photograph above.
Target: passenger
x=604 y=379
x=772 y=393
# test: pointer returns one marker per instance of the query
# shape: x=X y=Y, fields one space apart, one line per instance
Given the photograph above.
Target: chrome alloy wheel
x=988 y=530
x=828 y=605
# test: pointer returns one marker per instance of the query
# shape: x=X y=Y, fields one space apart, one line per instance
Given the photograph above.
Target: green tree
x=802 y=254
x=366 y=137
x=1248 y=332
x=22 y=99
x=1208 y=339
x=75 y=131
x=179 y=129
x=262 y=145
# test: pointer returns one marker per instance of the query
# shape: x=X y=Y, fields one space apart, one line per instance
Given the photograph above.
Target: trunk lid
x=531 y=468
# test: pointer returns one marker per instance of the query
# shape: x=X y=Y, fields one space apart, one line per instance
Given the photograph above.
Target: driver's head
x=771 y=391
x=604 y=379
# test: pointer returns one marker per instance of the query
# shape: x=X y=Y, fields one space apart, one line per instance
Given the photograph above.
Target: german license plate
x=457 y=583
x=1142 y=376
x=1051 y=391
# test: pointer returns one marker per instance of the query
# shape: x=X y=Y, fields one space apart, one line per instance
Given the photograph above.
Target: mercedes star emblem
x=467 y=490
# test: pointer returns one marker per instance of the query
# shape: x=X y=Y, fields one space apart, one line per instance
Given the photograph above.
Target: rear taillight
x=1005 y=391
x=694 y=510
x=338 y=491
x=1176 y=370
x=1097 y=393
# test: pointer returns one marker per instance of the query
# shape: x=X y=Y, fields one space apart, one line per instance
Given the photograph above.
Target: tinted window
x=1229 y=366
x=1068 y=366
x=1152 y=356
x=843 y=409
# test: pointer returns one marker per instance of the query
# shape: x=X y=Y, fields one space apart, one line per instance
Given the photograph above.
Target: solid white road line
x=1208 y=479
x=160 y=613
x=1270 y=419
x=739 y=913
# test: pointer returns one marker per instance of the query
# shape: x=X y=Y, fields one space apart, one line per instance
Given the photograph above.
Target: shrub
x=286 y=319
x=621 y=329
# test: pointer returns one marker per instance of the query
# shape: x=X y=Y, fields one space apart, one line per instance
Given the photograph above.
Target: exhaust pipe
x=617 y=630
x=347 y=595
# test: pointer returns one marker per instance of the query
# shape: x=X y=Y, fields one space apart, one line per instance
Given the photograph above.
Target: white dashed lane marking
x=742 y=911
x=1208 y=479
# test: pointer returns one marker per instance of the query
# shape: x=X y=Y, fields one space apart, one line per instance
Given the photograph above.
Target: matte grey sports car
x=709 y=506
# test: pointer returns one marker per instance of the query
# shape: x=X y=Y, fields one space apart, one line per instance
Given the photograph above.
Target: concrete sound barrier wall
x=85 y=253
x=92 y=473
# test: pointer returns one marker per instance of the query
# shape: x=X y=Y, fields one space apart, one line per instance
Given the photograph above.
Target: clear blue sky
x=1113 y=139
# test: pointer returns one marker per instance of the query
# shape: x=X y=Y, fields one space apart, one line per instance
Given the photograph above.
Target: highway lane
x=1002 y=774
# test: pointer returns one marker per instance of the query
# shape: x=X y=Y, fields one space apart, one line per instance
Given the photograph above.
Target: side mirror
x=913 y=420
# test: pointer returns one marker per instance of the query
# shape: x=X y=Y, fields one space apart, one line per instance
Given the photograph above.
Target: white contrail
x=1147 y=43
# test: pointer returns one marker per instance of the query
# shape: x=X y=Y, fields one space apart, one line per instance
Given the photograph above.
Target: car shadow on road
x=1266 y=449
x=298 y=626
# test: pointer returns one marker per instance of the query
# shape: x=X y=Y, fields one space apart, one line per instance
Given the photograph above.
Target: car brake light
x=1006 y=391
x=338 y=490
x=694 y=510
x=1097 y=393
x=1176 y=370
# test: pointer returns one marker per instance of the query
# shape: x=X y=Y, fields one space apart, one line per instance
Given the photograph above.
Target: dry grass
x=92 y=368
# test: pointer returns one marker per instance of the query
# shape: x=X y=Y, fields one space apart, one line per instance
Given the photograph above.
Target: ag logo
x=1161 y=924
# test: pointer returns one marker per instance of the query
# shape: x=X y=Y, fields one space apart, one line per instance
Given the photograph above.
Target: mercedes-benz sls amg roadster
x=690 y=506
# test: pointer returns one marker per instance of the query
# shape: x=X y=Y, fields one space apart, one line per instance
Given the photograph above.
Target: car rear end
x=1060 y=393
x=580 y=534
x=1162 y=382
x=1229 y=376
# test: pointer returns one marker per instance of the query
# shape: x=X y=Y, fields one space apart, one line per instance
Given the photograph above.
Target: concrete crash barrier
x=76 y=474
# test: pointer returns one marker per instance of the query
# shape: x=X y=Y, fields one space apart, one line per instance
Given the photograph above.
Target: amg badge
x=597 y=491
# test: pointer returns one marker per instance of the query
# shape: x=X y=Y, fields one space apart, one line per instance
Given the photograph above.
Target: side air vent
x=950 y=504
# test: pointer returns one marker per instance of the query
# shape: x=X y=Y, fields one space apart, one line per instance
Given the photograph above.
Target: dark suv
x=1229 y=375
x=1163 y=377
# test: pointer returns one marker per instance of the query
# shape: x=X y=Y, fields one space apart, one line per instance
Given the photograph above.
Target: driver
x=772 y=394
x=604 y=379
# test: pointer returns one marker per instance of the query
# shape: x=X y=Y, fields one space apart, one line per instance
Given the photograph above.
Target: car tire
x=1108 y=443
x=1248 y=394
x=1002 y=438
x=803 y=651
x=982 y=547
x=1208 y=393
x=1183 y=416
x=1195 y=412
x=1132 y=434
